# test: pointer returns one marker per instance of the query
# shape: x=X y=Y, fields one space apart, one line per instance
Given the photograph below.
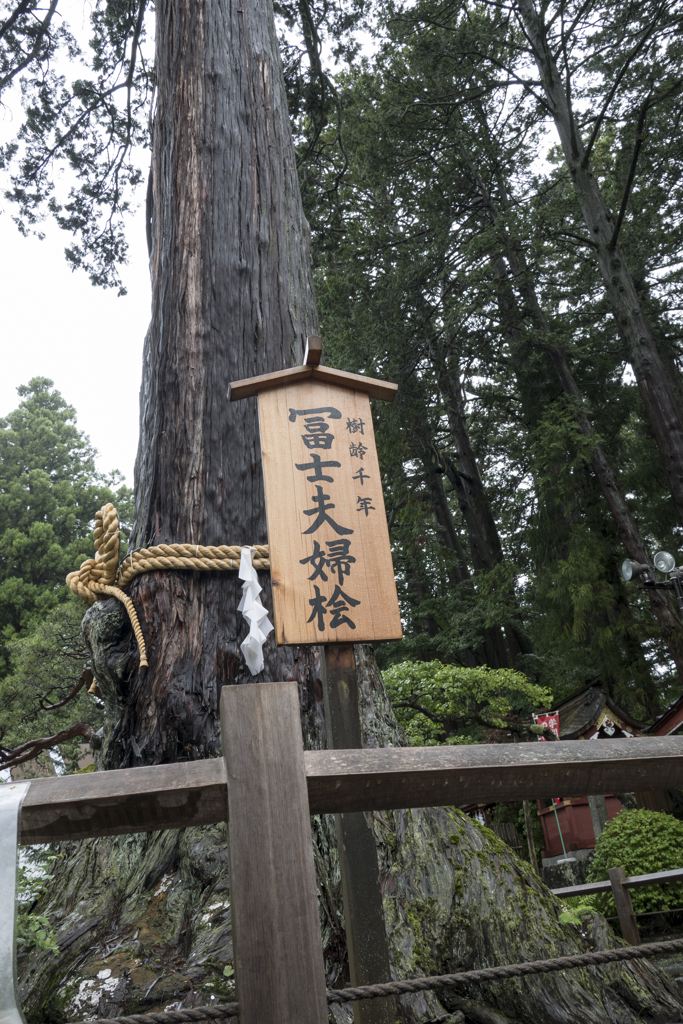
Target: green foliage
x=49 y=493
x=34 y=931
x=576 y=911
x=44 y=667
x=642 y=842
x=437 y=703
x=452 y=257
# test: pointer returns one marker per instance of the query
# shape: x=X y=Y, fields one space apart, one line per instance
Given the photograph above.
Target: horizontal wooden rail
x=194 y=793
x=392 y=777
x=129 y=800
x=630 y=882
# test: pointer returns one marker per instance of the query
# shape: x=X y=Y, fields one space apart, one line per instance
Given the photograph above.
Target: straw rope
x=102 y=576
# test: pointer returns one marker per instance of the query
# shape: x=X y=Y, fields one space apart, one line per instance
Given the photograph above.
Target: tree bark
x=232 y=298
x=656 y=390
x=503 y=650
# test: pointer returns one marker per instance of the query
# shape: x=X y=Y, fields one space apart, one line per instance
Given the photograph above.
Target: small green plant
x=576 y=909
x=642 y=842
x=228 y=971
x=33 y=930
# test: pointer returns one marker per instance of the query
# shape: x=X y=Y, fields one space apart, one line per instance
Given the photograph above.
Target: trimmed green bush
x=641 y=842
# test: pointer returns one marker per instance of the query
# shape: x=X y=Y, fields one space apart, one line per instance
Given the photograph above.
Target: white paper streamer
x=255 y=614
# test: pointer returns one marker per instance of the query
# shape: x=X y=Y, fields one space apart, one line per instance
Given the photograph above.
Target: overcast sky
x=53 y=322
x=87 y=340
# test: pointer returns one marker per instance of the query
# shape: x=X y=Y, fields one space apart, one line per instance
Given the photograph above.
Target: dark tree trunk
x=606 y=477
x=656 y=390
x=510 y=255
x=232 y=297
x=502 y=650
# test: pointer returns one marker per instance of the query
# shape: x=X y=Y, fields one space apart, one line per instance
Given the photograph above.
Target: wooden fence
x=267 y=787
x=619 y=883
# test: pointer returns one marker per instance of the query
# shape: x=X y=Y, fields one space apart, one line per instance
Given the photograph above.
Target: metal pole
x=11 y=797
x=679 y=592
x=559 y=830
x=366 y=936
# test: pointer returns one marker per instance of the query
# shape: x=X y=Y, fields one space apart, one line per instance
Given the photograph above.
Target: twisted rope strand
x=188 y=556
x=172 y=1016
x=103 y=574
x=397 y=988
x=560 y=963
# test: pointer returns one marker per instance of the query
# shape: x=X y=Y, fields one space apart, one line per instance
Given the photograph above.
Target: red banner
x=550 y=721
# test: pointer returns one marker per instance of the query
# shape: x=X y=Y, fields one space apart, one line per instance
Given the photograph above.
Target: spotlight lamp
x=664 y=561
x=631 y=569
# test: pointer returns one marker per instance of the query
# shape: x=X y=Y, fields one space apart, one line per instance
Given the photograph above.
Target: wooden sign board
x=330 y=558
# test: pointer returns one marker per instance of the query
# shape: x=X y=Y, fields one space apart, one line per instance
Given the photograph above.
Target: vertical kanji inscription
x=330 y=557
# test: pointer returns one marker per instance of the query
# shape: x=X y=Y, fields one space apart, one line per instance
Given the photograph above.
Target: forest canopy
x=494 y=195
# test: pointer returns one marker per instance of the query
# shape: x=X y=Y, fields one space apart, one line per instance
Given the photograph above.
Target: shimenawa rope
x=103 y=576
x=396 y=988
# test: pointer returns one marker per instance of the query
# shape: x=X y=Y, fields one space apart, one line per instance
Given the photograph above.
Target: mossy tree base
x=144 y=921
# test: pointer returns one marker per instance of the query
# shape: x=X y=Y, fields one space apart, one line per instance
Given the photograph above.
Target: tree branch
x=610 y=95
x=32 y=748
x=33 y=52
x=86 y=677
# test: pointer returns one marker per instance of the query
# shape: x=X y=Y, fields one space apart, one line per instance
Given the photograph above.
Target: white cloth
x=255 y=614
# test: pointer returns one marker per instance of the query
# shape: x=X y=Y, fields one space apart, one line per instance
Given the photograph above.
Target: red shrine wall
x=575 y=821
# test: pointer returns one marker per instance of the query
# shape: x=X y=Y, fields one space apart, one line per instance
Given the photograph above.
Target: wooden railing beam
x=193 y=793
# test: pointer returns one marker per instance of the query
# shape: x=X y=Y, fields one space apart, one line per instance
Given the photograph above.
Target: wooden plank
x=174 y=795
x=279 y=966
x=330 y=557
x=658 y=878
x=120 y=802
x=250 y=386
x=630 y=882
x=622 y=899
x=347 y=780
x=587 y=889
x=314 y=350
x=381 y=389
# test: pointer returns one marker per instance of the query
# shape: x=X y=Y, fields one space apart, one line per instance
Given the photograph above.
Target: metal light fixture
x=631 y=569
x=664 y=561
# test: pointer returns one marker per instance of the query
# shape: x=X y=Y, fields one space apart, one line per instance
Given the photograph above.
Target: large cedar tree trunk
x=144 y=921
x=232 y=298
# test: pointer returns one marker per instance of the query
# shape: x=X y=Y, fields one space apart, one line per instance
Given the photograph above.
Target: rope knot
x=102 y=576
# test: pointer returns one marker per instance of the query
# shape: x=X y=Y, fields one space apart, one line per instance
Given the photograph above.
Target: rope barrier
x=396 y=988
x=102 y=575
x=560 y=963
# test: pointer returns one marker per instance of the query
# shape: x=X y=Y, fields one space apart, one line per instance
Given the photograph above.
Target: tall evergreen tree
x=233 y=296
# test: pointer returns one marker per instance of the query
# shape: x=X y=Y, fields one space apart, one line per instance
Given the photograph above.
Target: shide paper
x=255 y=614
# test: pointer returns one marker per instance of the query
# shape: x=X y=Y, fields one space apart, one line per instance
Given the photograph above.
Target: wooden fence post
x=599 y=817
x=622 y=898
x=366 y=936
x=530 y=836
x=279 y=966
